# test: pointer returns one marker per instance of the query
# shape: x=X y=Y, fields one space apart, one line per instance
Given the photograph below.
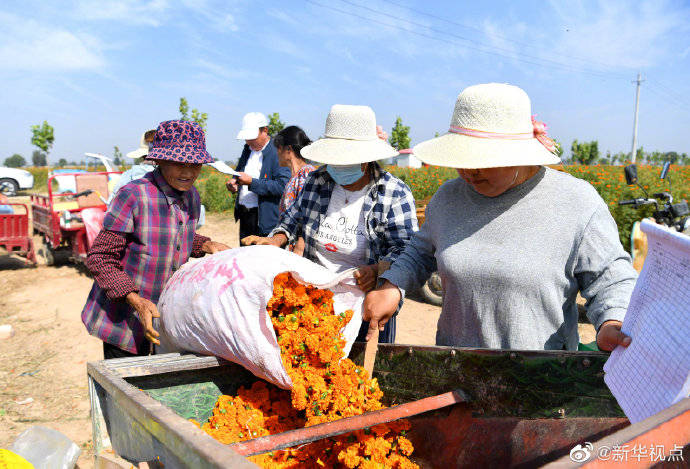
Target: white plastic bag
x=46 y=448
x=217 y=306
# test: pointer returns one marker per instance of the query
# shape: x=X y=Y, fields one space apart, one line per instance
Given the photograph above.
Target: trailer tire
x=8 y=187
x=47 y=253
x=432 y=290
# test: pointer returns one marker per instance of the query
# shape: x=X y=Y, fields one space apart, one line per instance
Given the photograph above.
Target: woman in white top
x=351 y=212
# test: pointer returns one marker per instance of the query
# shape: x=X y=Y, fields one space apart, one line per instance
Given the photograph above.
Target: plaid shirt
x=389 y=209
x=148 y=233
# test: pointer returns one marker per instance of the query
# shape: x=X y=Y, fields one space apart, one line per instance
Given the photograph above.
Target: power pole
x=637 y=109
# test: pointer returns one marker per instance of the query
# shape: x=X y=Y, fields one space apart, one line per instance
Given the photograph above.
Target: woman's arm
x=401 y=223
x=410 y=270
x=415 y=264
x=104 y=262
x=197 y=245
x=204 y=245
x=291 y=221
x=605 y=276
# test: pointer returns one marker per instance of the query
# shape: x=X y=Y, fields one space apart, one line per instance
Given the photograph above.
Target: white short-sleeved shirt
x=253 y=168
x=341 y=240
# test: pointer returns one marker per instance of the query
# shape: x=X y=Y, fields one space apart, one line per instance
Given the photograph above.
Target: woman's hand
x=366 y=275
x=212 y=247
x=298 y=248
x=146 y=311
x=379 y=306
x=278 y=240
x=610 y=336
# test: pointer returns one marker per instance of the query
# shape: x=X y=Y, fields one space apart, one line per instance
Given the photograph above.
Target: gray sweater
x=512 y=265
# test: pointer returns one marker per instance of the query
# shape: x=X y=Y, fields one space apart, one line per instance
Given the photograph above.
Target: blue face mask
x=345 y=174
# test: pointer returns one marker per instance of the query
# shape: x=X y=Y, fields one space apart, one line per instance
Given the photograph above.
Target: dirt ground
x=46 y=358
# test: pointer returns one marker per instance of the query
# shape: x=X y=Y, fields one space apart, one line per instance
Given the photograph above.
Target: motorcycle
x=667 y=213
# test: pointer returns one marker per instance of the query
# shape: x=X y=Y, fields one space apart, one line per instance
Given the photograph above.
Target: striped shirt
x=148 y=233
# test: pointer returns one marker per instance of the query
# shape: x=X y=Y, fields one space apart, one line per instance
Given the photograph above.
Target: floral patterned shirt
x=294 y=187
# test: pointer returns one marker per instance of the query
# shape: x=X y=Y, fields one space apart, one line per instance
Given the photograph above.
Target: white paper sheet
x=223 y=168
x=654 y=371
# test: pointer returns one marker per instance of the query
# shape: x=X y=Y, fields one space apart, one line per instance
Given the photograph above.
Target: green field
x=608 y=181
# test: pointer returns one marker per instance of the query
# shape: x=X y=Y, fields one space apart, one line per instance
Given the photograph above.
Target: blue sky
x=101 y=72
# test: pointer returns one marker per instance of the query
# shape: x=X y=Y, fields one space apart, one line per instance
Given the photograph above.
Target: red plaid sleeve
x=198 y=241
x=104 y=262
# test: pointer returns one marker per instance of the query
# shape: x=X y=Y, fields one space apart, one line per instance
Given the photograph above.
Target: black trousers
x=113 y=351
x=249 y=221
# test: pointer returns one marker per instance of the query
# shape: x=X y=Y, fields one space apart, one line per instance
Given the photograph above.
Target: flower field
x=609 y=182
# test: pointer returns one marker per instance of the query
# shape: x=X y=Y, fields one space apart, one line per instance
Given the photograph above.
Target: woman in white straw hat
x=513 y=240
x=351 y=212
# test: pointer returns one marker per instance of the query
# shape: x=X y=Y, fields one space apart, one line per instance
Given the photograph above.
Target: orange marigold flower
x=405 y=445
x=326 y=387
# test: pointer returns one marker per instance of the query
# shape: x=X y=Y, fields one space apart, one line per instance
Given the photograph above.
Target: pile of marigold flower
x=326 y=387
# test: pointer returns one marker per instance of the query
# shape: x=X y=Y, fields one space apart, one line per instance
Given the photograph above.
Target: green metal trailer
x=467 y=407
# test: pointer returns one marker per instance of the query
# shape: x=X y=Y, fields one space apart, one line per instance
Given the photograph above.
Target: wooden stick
x=370 y=353
x=373 y=343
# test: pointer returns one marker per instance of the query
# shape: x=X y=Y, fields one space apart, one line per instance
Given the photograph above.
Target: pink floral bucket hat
x=180 y=141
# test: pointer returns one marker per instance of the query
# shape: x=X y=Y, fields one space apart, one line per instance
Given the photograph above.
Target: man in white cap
x=262 y=180
x=141 y=165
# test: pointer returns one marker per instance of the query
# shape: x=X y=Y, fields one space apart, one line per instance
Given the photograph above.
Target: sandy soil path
x=46 y=359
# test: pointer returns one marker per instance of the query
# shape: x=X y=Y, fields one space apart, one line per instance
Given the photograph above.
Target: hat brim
x=463 y=151
x=138 y=153
x=248 y=134
x=184 y=154
x=339 y=151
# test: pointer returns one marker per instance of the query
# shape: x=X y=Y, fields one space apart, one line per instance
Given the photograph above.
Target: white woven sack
x=217 y=306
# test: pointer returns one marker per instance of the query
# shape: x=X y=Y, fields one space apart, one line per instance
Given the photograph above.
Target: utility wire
x=676 y=97
x=555 y=65
x=654 y=89
x=462 y=38
x=497 y=36
x=657 y=89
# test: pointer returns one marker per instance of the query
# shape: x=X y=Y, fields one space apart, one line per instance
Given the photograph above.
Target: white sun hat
x=143 y=149
x=350 y=138
x=492 y=126
x=251 y=123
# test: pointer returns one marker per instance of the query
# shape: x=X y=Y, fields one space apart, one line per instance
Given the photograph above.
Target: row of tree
x=42 y=136
x=399 y=139
x=586 y=153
